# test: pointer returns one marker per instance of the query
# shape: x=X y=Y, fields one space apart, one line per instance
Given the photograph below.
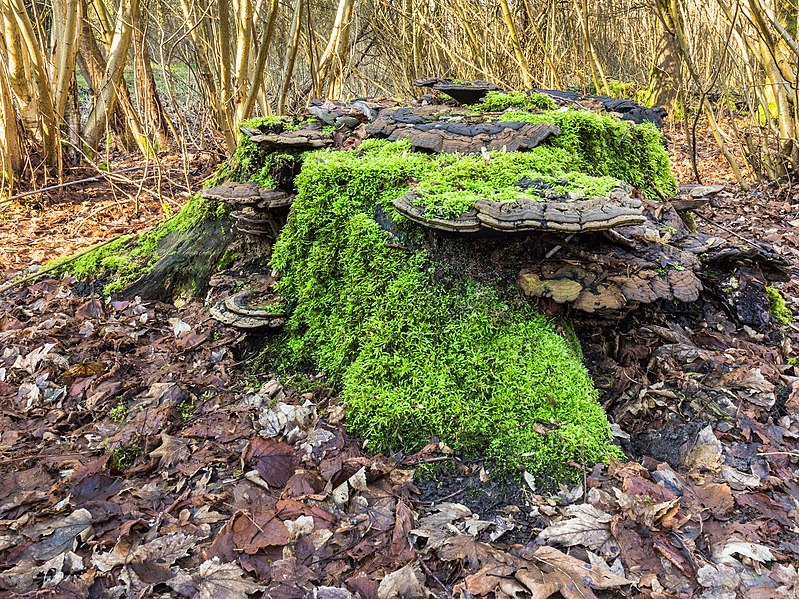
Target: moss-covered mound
x=420 y=351
x=600 y=144
x=448 y=185
x=419 y=348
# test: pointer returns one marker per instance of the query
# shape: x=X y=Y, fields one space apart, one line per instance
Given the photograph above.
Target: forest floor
x=143 y=457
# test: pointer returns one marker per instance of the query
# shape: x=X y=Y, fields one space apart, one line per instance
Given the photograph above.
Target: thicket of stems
x=78 y=77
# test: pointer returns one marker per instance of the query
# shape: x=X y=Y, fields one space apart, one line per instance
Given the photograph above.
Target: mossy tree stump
x=413 y=279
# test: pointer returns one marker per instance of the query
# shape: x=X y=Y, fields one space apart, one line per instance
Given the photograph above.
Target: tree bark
x=106 y=96
x=291 y=56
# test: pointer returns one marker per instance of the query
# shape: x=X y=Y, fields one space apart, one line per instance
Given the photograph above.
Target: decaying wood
x=657 y=260
x=611 y=254
x=260 y=212
x=470 y=93
x=303 y=139
x=233 y=193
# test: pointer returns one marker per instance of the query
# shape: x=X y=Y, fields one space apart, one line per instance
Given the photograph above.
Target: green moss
x=777 y=306
x=126 y=259
x=498 y=101
x=451 y=196
x=793 y=361
x=124 y=456
x=604 y=145
x=420 y=351
x=119 y=412
x=228 y=259
x=688 y=220
x=90 y=264
x=252 y=162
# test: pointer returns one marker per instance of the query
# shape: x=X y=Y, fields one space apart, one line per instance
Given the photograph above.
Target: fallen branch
x=43 y=271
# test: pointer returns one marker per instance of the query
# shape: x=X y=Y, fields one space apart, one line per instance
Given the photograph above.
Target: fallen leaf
x=171 y=451
x=735 y=546
x=704 y=454
x=179 y=327
x=545 y=584
x=588 y=526
x=590 y=574
x=253 y=532
x=717 y=497
x=59 y=535
x=406 y=583
x=275 y=461
x=215 y=580
x=739 y=480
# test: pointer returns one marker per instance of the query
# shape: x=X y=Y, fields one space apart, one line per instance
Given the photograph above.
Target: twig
x=725 y=229
x=793 y=454
x=432 y=574
x=67 y=184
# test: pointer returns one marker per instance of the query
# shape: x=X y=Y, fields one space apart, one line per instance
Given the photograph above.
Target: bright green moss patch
x=91 y=262
x=452 y=196
x=448 y=185
x=777 y=306
x=252 y=162
x=419 y=350
x=498 y=101
x=126 y=259
x=604 y=145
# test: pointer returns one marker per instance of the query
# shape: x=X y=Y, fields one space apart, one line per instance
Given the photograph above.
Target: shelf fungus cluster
x=532 y=213
x=658 y=259
x=261 y=212
x=248 y=311
x=433 y=129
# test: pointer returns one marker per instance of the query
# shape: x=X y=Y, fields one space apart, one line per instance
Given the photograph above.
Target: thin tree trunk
x=260 y=61
x=517 y=48
x=68 y=29
x=149 y=100
x=291 y=57
x=225 y=74
x=11 y=158
x=48 y=123
x=106 y=96
x=339 y=38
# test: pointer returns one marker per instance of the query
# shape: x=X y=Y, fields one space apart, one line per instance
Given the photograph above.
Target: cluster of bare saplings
x=83 y=77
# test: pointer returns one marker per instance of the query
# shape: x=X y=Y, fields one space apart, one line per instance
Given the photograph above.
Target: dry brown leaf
x=485 y=581
x=406 y=583
x=274 y=461
x=704 y=454
x=215 y=580
x=717 y=497
x=59 y=535
x=80 y=371
x=253 y=532
x=477 y=554
x=400 y=537
x=166 y=550
x=543 y=585
x=593 y=575
x=171 y=451
x=588 y=526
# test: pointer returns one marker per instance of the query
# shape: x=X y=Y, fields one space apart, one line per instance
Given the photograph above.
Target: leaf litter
x=140 y=460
